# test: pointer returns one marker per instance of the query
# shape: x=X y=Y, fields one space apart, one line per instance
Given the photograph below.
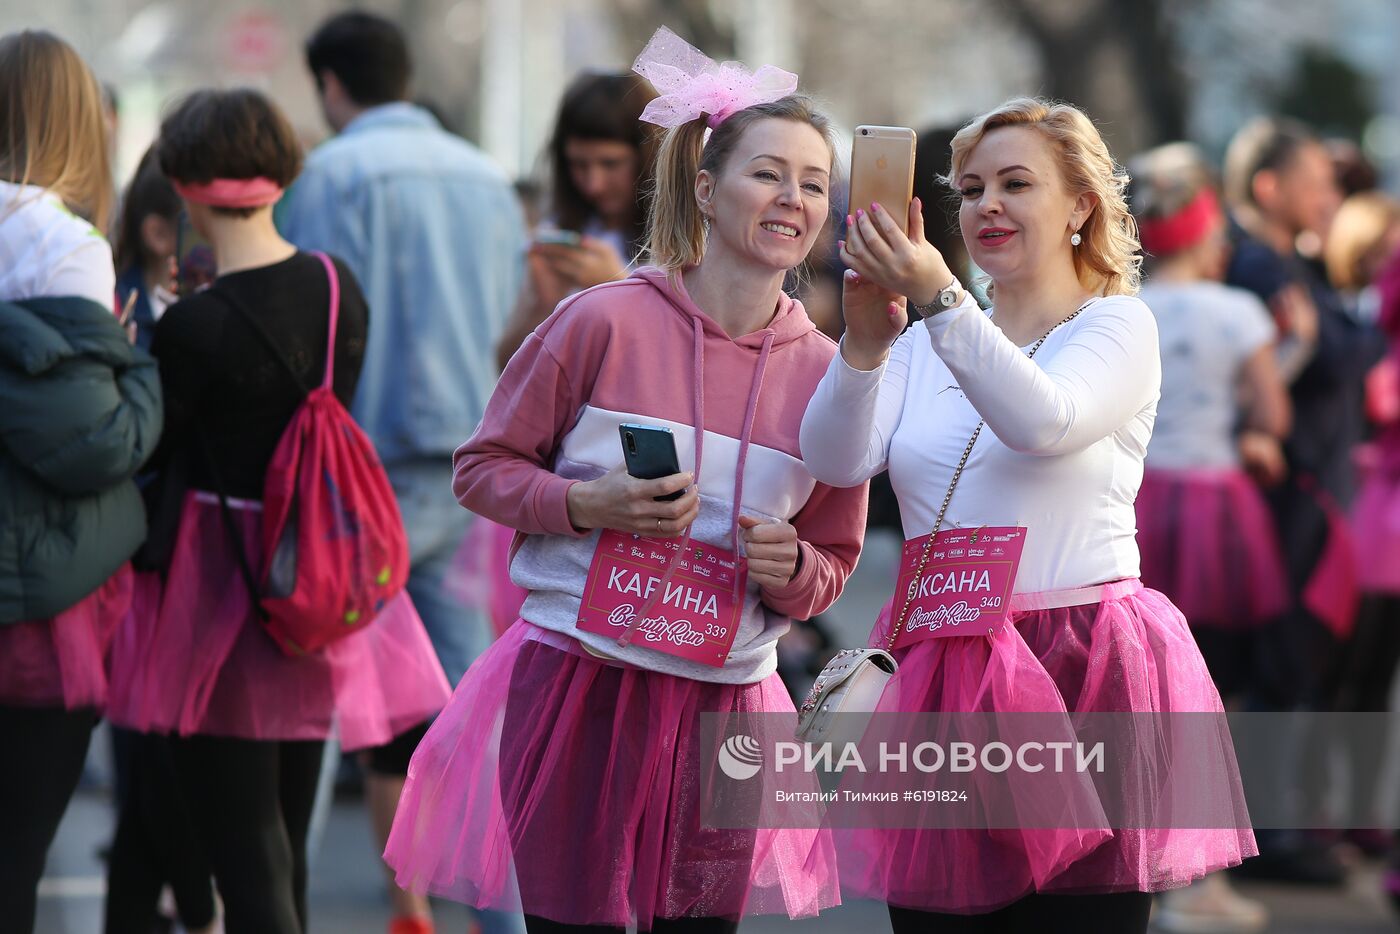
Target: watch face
x=948 y=298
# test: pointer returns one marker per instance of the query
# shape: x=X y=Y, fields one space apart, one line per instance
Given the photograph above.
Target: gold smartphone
x=882 y=169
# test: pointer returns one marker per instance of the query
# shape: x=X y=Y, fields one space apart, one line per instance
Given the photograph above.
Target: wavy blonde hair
x=1107 y=259
x=1358 y=232
x=51 y=129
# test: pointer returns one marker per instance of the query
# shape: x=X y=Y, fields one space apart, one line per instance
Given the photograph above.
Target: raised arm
x=1095 y=382
x=847 y=428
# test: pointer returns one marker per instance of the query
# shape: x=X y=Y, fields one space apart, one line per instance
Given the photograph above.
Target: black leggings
x=1118 y=913
x=392 y=758
x=251 y=802
x=50 y=744
x=156 y=843
x=534 y=925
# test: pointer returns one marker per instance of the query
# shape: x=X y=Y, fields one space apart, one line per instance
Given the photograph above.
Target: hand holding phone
x=584 y=262
x=551 y=237
x=885 y=245
x=650 y=454
x=663 y=504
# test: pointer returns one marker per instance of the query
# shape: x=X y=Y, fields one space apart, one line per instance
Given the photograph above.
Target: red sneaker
x=411 y=924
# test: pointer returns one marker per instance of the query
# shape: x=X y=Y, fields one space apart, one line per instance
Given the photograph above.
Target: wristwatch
x=946 y=298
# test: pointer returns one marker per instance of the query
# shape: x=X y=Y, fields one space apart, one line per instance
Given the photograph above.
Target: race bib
x=965 y=588
x=697 y=615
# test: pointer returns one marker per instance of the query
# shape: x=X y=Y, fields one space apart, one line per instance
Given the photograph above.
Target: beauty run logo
x=658 y=628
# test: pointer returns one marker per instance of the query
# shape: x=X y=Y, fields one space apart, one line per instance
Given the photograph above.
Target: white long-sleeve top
x=1061 y=453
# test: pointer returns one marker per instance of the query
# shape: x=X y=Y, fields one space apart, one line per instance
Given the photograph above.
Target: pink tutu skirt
x=1208 y=542
x=1375 y=522
x=1132 y=652
x=191 y=657
x=481 y=574
x=62 y=662
x=568 y=786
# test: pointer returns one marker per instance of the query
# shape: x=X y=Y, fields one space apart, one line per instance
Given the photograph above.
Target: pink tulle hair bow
x=691 y=83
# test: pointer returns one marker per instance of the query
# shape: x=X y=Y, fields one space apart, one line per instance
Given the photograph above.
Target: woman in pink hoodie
x=568 y=765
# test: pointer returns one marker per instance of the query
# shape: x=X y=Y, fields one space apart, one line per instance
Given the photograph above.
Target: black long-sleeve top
x=220 y=378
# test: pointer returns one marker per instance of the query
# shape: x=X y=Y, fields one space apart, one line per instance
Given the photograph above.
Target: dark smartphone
x=650 y=453
x=194 y=258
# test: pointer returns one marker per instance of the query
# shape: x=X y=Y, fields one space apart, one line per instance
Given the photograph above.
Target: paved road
x=347 y=895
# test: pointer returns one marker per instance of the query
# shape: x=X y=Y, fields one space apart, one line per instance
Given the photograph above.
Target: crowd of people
x=1179 y=383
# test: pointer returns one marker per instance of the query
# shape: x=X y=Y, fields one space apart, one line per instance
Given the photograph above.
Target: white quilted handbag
x=850 y=684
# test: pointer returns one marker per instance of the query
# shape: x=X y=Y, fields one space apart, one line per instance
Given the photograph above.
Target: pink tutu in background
x=481 y=574
x=1130 y=653
x=1209 y=543
x=62 y=662
x=1375 y=522
x=191 y=657
x=568 y=786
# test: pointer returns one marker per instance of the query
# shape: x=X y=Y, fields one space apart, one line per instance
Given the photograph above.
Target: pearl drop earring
x=1075 y=239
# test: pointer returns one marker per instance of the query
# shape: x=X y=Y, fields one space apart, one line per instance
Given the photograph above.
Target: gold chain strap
x=898 y=627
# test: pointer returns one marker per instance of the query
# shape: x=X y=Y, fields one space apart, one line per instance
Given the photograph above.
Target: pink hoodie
x=627 y=352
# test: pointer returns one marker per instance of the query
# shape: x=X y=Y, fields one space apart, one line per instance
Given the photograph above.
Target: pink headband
x=692 y=84
x=231 y=192
x=1186 y=227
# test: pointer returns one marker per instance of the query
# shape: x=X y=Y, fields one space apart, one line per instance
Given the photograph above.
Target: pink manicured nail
x=840 y=244
x=859 y=213
x=874 y=207
x=894 y=310
x=850 y=221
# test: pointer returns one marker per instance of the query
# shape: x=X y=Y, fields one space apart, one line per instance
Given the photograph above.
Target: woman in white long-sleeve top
x=1059 y=454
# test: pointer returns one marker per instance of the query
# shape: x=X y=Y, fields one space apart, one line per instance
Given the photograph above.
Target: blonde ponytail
x=676 y=228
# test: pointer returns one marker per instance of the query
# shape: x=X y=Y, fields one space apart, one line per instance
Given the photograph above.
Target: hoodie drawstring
x=750 y=410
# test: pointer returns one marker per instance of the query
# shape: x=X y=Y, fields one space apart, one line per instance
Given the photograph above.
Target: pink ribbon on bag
x=692 y=84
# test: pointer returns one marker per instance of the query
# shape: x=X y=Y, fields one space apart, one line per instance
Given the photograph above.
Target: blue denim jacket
x=434 y=233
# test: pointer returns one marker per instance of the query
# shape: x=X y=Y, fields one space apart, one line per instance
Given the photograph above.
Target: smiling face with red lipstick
x=1017 y=215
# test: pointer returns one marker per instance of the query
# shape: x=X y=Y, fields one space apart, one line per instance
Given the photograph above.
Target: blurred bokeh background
x=1149 y=70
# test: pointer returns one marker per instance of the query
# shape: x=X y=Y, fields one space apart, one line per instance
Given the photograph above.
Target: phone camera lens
x=631 y=443
x=864 y=132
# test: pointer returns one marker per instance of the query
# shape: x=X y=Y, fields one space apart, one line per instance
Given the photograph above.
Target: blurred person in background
x=246 y=721
x=80 y=411
x=1363 y=260
x=1281 y=187
x=1361 y=249
x=157 y=843
x=601 y=159
x=1362 y=257
x=432 y=229
x=1205 y=533
x=145 y=248
x=1355 y=173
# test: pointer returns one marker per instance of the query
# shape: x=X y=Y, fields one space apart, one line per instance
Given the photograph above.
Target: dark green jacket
x=80 y=411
